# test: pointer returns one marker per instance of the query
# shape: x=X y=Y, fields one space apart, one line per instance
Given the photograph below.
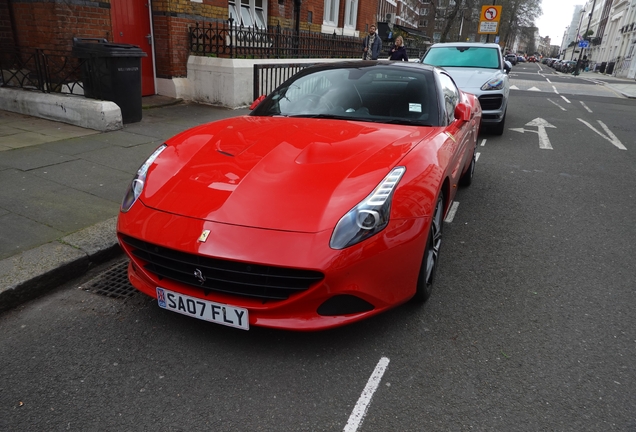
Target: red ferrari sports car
x=322 y=207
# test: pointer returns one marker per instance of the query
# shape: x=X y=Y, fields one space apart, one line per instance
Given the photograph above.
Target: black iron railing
x=36 y=69
x=226 y=39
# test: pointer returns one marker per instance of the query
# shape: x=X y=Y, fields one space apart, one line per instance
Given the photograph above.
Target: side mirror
x=462 y=112
x=507 y=66
x=257 y=101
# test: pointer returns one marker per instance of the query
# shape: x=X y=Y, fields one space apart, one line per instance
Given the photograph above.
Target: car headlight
x=496 y=83
x=370 y=216
x=137 y=184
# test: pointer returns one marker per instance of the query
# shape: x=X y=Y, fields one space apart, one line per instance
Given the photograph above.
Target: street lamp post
x=577 y=69
x=578 y=33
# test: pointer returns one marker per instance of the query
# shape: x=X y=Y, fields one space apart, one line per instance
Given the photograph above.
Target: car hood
x=292 y=174
x=471 y=79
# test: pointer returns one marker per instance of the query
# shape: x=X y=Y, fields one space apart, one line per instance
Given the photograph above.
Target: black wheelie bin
x=112 y=72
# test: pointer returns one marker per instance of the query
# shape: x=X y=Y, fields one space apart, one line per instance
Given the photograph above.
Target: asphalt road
x=531 y=325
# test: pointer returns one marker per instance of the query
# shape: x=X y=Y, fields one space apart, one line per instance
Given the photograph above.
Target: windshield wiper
x=322 y=116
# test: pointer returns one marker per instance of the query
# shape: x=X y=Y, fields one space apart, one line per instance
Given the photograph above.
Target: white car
x=477 y=68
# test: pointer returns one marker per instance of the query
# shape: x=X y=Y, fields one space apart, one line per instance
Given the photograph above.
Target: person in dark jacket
x=398 y=52
x=371 y=45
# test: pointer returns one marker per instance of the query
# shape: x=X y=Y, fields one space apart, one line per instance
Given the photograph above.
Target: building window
x=250 y=13
x=439 y=24
x=423 y=23
x=437 y=36
x=331 y=12
x=351 y=14
x=424 y=11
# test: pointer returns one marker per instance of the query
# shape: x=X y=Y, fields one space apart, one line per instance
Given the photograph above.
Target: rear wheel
x=431 y=254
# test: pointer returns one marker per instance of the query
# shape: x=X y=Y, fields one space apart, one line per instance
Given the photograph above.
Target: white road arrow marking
x=610 y=136
x=544 y=141
x=533 y=89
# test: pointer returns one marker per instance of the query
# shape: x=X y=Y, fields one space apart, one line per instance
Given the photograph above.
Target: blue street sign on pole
x=584 y=44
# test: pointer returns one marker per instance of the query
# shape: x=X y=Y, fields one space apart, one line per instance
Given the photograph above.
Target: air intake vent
x=213 y=274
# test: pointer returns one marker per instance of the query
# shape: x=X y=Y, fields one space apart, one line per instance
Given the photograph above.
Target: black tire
x=467 y=178
x=498 y=129
x=431 y=254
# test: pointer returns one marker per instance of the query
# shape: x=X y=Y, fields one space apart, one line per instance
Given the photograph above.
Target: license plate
x=203 y=309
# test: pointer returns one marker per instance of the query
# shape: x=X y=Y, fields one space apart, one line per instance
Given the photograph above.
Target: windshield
x=463 y=56
x=381 y=94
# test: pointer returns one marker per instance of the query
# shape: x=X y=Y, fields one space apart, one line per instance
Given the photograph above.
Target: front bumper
x=381 y=271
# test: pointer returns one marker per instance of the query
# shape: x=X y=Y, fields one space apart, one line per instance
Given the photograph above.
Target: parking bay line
x=585 y=106
x=360 y=410
x=550 y=100
x=451 y=212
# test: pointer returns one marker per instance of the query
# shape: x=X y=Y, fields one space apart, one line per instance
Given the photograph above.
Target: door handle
x=149 y=37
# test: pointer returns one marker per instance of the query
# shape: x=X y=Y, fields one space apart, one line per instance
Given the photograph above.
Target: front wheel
x=467 y=178
x=498 y=129
x=431 y=254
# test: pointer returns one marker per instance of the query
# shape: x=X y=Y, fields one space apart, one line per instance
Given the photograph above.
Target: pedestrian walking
x=371 y=45
x=398 y=52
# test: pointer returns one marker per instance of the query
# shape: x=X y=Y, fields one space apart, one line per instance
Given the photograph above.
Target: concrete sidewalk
x=61 y=187
x=623 y=86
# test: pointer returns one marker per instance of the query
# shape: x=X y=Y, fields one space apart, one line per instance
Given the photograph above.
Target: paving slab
x=26 y=159
x=18 y=234
x=88 y=176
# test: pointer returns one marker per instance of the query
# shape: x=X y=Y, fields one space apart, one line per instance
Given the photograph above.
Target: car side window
x=451 y=96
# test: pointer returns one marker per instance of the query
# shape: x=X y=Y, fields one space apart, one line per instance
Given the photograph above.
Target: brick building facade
x=52 y=24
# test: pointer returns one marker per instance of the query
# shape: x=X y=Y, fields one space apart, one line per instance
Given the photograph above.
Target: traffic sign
x=489 y=19
x=584 y=44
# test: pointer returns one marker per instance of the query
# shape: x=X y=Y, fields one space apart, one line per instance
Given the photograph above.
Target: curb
x=34 y=272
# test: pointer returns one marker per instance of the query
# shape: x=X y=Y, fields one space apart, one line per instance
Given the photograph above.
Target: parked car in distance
x=322 y=207
x=567 y=66
x=477 y=68
x=521 y=59
x=512 y=58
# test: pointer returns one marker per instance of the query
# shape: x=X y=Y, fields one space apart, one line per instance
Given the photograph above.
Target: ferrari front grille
x=490 y=102
x=219 y=275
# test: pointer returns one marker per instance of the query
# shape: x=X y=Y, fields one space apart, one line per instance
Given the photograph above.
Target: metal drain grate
x=113 y=282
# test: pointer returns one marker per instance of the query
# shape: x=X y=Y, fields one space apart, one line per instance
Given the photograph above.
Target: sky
x=557 y=15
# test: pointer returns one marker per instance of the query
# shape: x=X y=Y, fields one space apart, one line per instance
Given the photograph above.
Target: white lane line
x=451 y=213
x=585 y=106
x=483 y=142
x=477 y=156
x=565 y=99
x=555 y=90
x=609 y=137
x=360 y=410
x=548 y=80
x=563 y=109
